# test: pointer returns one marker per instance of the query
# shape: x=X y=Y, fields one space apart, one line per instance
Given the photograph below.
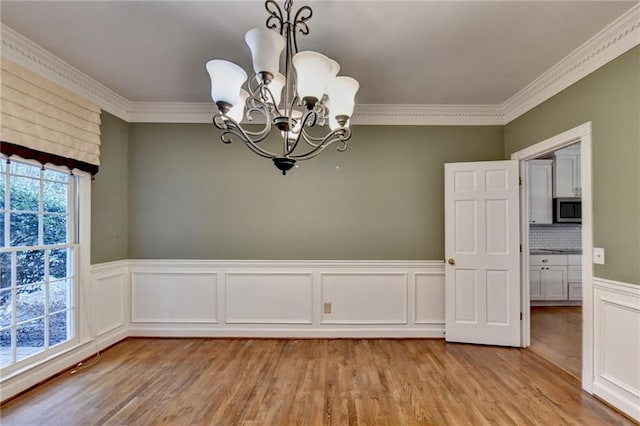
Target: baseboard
x=437 y=331
x=557 y=303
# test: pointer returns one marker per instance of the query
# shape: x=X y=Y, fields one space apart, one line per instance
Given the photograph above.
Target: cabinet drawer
x=574 y=274
x=575 y=291
x=547 y=260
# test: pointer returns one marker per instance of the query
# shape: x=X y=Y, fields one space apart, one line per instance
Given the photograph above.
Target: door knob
x=451 y=262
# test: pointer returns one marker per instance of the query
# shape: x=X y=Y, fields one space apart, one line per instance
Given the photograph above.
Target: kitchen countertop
x=555 y=251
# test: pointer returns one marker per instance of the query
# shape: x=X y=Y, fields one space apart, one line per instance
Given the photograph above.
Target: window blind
x=44 y=117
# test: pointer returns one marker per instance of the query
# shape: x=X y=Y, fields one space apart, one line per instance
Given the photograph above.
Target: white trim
x=428 y=115
x=427 y=332
x=580 y=134
x=171 y=112
x=279 y=265
x=616 y=39
x=617 y=286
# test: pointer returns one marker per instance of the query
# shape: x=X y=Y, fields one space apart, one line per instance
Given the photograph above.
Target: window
x=38 y=252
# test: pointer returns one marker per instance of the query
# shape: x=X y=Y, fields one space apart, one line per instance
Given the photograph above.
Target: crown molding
x=171 y=112
x=617 y=38
x=23 y=51
x=461 y=115
x=427 y=115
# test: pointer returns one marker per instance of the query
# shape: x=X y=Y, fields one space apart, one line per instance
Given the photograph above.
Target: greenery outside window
x=38 y=253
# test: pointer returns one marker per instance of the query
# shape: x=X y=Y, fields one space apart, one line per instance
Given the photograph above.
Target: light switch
x=598 y=255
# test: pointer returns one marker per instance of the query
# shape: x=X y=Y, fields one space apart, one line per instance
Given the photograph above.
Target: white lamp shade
x=276 y=86
x=237 y=112
x=335 y=68
x=266 y=46
x=342 y=92
x=226 y=80
x=313 y=70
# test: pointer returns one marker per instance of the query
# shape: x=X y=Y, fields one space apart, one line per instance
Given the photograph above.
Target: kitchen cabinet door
x=540 y=191
x=535 y=284
x=554 y=279
x=566 y=173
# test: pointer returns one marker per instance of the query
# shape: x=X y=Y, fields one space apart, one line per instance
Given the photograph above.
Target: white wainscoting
x=104 y=306
x=364 y=297
x=269 y=298
x=616 y=321
x=182 y=298
x=109 y=289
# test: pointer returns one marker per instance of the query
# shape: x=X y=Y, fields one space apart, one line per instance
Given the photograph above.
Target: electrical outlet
x=598 y=255
x=327 y=308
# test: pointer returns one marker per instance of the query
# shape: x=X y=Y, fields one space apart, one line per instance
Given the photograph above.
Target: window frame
x=79 y=231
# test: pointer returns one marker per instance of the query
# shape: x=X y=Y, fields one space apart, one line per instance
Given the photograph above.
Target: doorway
x=555 y=238
x=579 y=135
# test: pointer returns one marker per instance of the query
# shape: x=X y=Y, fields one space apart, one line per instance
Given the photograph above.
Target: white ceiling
x=417 y=52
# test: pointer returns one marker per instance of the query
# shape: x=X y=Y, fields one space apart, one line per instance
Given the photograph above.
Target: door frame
x=581 y=134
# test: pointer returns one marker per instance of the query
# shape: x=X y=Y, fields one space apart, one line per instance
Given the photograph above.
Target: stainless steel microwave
x=567 y=210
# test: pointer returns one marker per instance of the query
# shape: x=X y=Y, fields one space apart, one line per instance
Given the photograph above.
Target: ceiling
x=416 y=52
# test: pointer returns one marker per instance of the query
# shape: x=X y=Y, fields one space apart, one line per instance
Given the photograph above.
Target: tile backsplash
x=556 y=236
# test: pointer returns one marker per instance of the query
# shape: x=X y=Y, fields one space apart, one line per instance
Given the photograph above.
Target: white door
x=482 y=248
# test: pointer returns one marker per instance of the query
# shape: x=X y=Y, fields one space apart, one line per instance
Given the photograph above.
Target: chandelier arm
x=227 y=124
x=273 y=105
x=275 y=20
x=341 y=135
x=227 y=137
x=309 y=140
x=318 y=150
x=251 y=85
x=255 y=104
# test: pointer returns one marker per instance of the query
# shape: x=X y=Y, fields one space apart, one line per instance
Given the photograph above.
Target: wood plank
x=556 y=335
x=331 y=382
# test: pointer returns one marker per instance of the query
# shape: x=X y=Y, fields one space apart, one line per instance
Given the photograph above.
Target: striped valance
x=43 y=116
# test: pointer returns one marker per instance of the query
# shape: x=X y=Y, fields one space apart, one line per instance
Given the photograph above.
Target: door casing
x=580 y=134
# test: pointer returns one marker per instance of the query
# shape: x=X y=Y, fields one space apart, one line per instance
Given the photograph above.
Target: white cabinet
x=566 y=176
x=555 y=278
x=548 y=283
x=540 y=191
x=548 y=277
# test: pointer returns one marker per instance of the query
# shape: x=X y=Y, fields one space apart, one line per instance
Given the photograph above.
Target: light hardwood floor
x=310 y=382
x=556 y=334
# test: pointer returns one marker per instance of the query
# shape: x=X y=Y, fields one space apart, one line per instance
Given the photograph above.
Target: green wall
x=610 y=98
x=175 y=191
x=109 y=189
x=191 y=196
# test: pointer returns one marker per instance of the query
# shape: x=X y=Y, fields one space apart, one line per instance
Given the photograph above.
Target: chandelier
x=293 y=102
